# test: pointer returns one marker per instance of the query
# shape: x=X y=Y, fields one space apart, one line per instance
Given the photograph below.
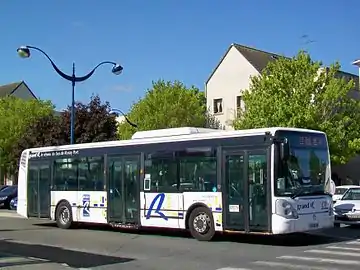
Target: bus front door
x=123 y=189
x=38 y=189
x=245 y=190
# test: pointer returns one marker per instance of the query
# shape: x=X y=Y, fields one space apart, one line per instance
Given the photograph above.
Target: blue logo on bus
x=86 y=205
x=160 y=197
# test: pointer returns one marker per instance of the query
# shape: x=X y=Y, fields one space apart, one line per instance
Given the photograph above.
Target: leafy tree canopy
x=168 y=105
x=294 y=93
x=93 y=123
x=15 y=116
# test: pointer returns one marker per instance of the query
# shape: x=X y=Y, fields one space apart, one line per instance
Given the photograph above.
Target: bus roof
x=173 y=135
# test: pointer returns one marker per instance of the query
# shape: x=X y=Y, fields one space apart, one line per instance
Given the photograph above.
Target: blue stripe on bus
x=217 y=209
x=73 y=204
x=102 y=205
x=95 y=204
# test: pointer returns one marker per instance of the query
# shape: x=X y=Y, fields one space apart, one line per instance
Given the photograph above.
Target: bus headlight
x=285 y=209
x=327 y=204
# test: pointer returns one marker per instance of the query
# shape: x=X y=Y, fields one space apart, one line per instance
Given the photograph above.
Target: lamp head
x=356 y=63
x=23 y=52
x=116 y=111
x=117 y=69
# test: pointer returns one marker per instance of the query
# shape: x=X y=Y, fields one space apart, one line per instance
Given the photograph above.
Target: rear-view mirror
x=284 y=150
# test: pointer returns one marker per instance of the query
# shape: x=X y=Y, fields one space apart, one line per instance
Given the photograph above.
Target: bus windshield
x=307 y=171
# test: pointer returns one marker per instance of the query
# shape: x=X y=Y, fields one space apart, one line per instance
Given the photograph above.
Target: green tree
x=15 y=116
x=93 y=123
x=168 y=105
x=294 y=93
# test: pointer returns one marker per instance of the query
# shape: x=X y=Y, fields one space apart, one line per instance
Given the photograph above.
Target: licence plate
x=313 y=225
x=353 y=216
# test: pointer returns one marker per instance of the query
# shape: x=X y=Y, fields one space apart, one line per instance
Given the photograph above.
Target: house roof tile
x=258 y=58
x=8 y=89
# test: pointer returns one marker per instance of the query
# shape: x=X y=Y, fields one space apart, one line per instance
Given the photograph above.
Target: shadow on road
x=72 y=258
x=333 y=235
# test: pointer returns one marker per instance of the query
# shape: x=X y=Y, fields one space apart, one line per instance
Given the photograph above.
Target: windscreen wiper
x=320 y=192
x=300 y=192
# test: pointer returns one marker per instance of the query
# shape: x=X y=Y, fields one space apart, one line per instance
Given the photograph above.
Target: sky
x=162 y=39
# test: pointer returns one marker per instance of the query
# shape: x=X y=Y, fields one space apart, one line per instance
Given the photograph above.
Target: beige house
x=18 y=89
x=232 y=75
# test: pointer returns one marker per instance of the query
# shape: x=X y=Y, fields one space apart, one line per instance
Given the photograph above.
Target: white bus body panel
x=87 y=206
x=168 y=210
x=314 y=213
x=22 y=185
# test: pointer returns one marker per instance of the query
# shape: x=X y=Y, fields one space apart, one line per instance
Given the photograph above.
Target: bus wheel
x=201 y=224
x=64 y=215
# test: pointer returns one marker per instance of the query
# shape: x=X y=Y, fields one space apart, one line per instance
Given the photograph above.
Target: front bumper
x=305 y=223
x=347 y=219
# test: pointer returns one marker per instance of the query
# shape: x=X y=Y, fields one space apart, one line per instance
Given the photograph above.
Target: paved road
x=38 y=244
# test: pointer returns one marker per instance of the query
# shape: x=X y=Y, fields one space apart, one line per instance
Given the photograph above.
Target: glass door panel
x=124 y=172
x=235 y=191
x=115 y=193
x=257 y=178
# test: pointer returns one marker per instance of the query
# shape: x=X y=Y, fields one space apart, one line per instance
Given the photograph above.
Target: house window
x=218 y=105
x=238 y=102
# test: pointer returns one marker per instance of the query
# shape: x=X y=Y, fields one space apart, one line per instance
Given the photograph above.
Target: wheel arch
x=57 y=206
x=192 y=208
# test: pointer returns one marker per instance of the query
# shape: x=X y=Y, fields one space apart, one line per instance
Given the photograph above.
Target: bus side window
x=163 y=170
x=65 y=175
x=83 y=174
x=198 y=170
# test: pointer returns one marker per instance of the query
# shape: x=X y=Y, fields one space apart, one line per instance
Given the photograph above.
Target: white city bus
x=270 y=181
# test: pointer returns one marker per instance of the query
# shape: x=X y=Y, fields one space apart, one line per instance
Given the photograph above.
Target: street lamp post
x=117 y=111
x=357 y=63
x=24 y=52
x=1 y=171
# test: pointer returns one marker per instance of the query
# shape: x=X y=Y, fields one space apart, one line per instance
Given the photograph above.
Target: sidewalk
x=9 y=214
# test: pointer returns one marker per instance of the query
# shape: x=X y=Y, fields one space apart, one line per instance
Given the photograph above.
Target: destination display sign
x=49 y=154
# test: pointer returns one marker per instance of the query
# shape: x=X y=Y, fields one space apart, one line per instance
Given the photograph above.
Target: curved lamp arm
x=123 y=114
x=117 y=69
x=62 y=74
x=25 y=52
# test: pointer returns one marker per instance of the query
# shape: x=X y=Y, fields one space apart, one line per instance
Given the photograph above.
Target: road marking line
x=338 y=253
x=38 y=259
x=232 y=268
x=343 y=248
x=14 y=260
x=319 y=260
x=353 y=242
x=332 y=236
x=292 y=266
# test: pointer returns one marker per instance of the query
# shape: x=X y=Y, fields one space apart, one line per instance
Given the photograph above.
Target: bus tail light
x=285 y=209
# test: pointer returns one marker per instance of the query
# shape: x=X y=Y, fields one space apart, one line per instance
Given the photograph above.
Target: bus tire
x=201 y=224
x=64 y=218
